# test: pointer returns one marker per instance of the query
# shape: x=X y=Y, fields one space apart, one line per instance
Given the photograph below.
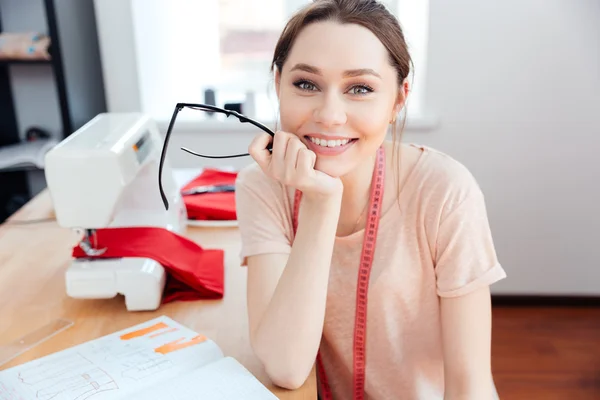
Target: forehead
x=334 y=47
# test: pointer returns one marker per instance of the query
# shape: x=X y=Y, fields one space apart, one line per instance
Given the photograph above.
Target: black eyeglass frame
x=208 y=108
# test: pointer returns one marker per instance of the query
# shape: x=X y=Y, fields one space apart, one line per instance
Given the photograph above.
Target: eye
x=305 y=85
x=361 y=90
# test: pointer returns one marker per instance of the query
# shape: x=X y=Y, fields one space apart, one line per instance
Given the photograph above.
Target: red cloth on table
x=193 y=273
x=211 y=206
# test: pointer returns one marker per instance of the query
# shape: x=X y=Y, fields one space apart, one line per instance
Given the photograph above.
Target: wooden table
x=33 y=260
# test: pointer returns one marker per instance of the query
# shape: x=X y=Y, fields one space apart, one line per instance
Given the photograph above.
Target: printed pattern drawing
x=72 y=376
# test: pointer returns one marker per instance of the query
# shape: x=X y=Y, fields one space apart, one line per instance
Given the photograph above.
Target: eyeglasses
x=207 y=108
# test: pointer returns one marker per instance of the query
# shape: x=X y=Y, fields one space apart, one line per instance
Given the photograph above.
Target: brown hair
x=370 y=14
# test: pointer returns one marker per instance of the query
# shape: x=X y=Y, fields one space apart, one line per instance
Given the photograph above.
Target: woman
x=372 y=257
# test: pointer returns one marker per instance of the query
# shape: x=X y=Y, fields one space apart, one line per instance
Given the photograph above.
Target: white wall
x=515 y=85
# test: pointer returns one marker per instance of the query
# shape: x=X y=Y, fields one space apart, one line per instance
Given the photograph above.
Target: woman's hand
x=293 y=164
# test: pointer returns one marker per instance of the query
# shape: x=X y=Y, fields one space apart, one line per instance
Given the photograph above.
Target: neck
x=357 y=183
x=357 y=190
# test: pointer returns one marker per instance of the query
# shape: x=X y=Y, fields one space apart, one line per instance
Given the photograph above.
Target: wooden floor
x=546 y=353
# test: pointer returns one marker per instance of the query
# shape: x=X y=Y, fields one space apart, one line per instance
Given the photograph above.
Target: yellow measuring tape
x=32 y=339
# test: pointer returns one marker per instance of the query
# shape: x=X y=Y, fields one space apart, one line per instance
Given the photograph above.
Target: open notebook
x=159 y=359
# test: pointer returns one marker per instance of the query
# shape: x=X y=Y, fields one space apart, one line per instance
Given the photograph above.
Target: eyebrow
x=347 y=74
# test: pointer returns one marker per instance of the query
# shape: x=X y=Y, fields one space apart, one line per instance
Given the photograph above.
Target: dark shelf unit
x=25 y=62
x=76 y=74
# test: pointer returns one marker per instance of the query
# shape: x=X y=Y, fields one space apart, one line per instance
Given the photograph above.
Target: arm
x=287 y=294
x=466 y=266
x=466 y=335
x=286 y=309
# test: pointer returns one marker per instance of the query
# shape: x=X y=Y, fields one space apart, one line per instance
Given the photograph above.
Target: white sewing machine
x=106 y=175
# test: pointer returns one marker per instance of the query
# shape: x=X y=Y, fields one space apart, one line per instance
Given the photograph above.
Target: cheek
x=370 y=121
x=292 y=112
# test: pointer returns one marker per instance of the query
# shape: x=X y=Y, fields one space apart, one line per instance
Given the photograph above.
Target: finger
x=280 y=143
x=291 y=157
x=257 y=149
x=306 y=162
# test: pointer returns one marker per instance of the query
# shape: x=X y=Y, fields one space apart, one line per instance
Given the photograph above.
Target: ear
x=403 y=92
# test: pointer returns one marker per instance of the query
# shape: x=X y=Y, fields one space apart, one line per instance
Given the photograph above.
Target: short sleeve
x=264 y=214
x=465 y=255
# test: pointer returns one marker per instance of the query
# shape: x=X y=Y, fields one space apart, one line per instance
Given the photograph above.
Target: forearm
x=470 y=389
x=470 y=394
x=289 y=333
x=466 y=334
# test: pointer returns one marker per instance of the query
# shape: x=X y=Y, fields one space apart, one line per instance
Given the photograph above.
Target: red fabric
x=211 y=206
x=193 y=273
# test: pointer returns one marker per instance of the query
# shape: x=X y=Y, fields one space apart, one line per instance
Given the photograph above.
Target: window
x=184 y=47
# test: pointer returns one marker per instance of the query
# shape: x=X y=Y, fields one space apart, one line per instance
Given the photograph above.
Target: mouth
x=329 y=145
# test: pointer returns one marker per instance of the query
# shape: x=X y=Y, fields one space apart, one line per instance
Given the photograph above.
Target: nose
x=330 y=112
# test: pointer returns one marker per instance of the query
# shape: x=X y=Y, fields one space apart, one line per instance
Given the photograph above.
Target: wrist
x=320 y=215
x=331 y=195
x=323 y=202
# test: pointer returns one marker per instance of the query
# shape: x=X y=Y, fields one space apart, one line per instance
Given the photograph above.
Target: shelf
x=20 y=169
x=25 y=62
x=64 y=91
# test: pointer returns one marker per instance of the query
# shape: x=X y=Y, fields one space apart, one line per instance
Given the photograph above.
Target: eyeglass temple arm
x=242 y=118
x=163 y=155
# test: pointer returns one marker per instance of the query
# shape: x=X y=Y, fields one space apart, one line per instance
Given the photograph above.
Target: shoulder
x=249 y=174
x=254 y=186
x=251 y=177
x=443 y=181
x=263 y=212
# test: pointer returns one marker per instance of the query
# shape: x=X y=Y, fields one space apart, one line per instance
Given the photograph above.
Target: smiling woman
x=384 y=282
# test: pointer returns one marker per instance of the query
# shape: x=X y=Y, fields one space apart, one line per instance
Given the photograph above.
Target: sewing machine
x=106 y=175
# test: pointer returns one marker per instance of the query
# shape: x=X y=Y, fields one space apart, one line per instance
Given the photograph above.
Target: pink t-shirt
x=435 y=242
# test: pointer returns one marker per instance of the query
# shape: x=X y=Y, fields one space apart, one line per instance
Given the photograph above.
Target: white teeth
x=329 y=143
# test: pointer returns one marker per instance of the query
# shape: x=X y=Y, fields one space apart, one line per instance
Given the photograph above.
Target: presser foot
x=140 y=280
